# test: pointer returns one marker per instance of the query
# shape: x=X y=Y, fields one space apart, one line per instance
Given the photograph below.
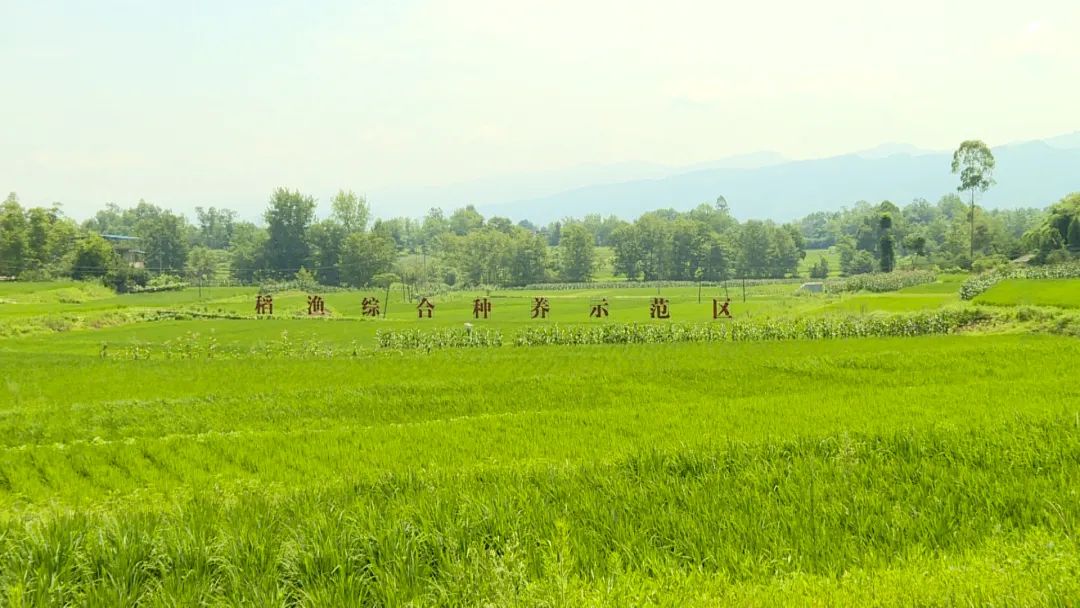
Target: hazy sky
x=217 y=103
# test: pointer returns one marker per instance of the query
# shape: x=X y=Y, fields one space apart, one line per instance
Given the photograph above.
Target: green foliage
x=94 y=257
x=123 y=278
x=918 y=324
x=978 y=284
x=820 y=270
x=577 y=254
x=881 y=282
x=872 y=472
x=288 y=217
x=365 y=255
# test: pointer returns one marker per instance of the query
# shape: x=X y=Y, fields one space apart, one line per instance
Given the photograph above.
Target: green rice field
x=935 y=470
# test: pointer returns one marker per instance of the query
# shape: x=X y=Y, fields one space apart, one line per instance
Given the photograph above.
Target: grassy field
x=917 y=471
x=1064 y=293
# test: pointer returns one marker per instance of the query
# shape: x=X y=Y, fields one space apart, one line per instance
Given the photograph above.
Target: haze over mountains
x=766 y=185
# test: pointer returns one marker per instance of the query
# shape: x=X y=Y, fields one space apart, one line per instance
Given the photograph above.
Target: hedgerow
x=879 y=282
x=917 y=324
x=979 y=284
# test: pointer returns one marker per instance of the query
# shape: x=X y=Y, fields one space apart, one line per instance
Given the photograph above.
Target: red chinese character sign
x=425 y=308
x=481 y=308
x=721 y=308
x=659 y=309
x=371 y=307
x=599 y=310
x=264 y=304
x=540 y=308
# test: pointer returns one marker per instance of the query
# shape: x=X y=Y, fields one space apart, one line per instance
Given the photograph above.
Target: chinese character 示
x=315 y=305
x=599 y=310
x=371 y=307
x=264 y=305
x=540 y=308
x=425 y=306
x=659 y=309
x=720 y=309
x=481 y=306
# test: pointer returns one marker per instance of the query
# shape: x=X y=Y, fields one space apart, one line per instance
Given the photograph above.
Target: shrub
x=881 y=281
x=978 y=284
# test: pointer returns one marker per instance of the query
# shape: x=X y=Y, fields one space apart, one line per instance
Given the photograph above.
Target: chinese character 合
x=315 y=305
x=599 y=310
x=540 y=308
x=264 y=304
x=481 y=306
x=659 y=309
x=371 y=307
x=720 y=308
x=424 y=307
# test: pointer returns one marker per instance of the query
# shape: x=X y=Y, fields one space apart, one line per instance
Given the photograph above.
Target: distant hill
x=1034 y=174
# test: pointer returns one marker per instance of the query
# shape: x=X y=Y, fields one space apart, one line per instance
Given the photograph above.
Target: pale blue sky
x=216 y=103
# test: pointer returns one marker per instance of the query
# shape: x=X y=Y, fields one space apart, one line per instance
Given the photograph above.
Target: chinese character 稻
x=481 y=307
x=315 y=305
x=540 y=308
x=371 y=307
x=720 y=309
x=424 y=308
x=659 y=309
x=599 y=310
x=264 y=305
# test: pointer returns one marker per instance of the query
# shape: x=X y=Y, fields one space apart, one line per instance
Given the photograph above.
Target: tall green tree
x=13 y=237
x=351 y=211
x=975 y=163
x=215 y=227
x=288 y=217
x=887 y=244
x=577 y=254
x=366 y=255
x=94 y=257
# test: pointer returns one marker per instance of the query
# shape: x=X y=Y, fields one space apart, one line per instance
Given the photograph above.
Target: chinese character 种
x=481 y=307
x=720 y=309
x=264 y=305
x=425 y=308
x=315 y=305
x=659 y=309
x=371 y=307
x=540 y=308
x=599 y=310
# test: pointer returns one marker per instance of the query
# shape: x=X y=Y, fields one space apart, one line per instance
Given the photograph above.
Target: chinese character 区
x=315 y=305
x=659 y=309
x=264 y=305
x=599 y=310
x=481 y=306
x=425 y=306
x=720 y=309
x=371 y=307
x=540 y=308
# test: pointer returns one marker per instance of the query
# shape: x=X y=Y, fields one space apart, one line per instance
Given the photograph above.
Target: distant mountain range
x=766 y=185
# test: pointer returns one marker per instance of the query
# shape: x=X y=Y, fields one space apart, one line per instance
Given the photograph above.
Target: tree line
x=346 y=246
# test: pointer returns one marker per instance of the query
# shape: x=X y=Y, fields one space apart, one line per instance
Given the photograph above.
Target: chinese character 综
x=371 y=307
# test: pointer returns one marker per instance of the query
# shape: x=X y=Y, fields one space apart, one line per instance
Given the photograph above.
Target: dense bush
x=978 y=284
x=881 y=281
x=918 y=324
x=648 y=284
